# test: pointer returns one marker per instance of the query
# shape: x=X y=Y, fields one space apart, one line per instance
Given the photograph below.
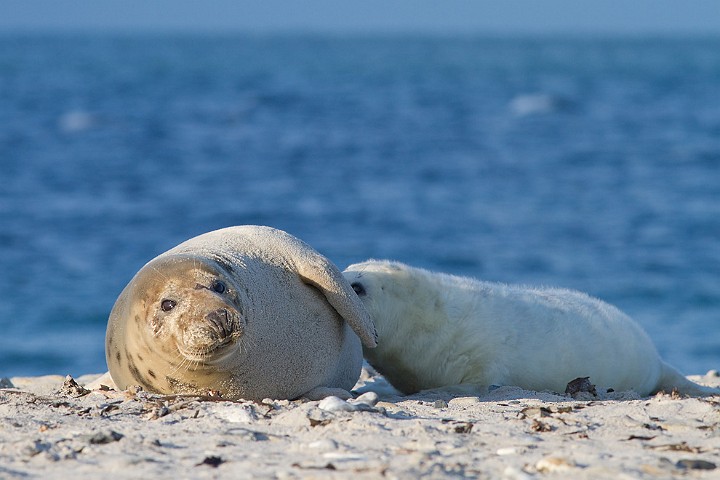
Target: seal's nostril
x=220 y=322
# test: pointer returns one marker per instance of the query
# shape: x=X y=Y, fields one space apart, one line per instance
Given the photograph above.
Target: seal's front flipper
x=318 y=271
x=344 y=300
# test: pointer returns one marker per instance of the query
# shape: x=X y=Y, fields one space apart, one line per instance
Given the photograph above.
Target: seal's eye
x=359 y=289
x=219 y=286
x=167 y=305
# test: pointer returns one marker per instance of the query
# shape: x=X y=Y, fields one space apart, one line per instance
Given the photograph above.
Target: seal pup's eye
x=218 y=286
x=359 y=289
x=167 y=305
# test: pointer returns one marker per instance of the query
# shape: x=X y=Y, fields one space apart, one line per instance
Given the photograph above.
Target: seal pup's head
x=408 y=312
x=396 y=295
x=176 y=325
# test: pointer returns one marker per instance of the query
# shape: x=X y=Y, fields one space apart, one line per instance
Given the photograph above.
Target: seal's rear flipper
x=671 y=379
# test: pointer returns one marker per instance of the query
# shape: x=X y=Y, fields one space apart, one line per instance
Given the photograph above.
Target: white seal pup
x=244 y=312
x=437 y=330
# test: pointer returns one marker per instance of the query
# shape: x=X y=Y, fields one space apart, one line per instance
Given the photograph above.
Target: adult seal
x=437 y=330
x=245 y=312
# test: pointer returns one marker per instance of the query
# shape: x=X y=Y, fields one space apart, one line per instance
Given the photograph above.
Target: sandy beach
x=52 y=427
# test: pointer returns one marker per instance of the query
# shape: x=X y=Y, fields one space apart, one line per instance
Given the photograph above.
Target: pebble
x=275 y=404
x=581 y=385
x=71 y=388
x=318 y=416
x=101 y=438
x=246 y=434
x=244 y=414
x=336 y=404
x=696 y=464
x=365 y=402
x=325 y=444
x=554 y=464
x=530 y=412
x=344 y=457
x=369 y=399
x=506 y=451
x=440 y=404
x=464 y=401
x=212 y=461
x=297 y=417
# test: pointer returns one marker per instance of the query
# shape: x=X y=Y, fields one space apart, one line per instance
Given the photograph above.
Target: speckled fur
x=295 y=326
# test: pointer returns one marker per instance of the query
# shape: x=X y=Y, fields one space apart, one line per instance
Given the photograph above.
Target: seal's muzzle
x=220 y=321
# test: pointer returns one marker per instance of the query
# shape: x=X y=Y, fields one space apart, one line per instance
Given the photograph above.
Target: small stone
x=307 y=465
x=233 y=414
x=463 y=427
x=71 y=388
x=529 y=412
x=369 y=398
x=275 y=404
x=538 y=426
x=464 y=401
x=336 y=404
x=6 y=383
x=691 y=464
x=345 y=457
x=317 y=417
x=133 y=391
x=247 y=434
x=101 y=438
x=325 y=444
x=211 y=461
x=553 y=464
x=581 y=384
x=440 y=404
x=158 y=411
x=506 y=451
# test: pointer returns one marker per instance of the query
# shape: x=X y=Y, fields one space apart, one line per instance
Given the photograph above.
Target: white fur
x=437 y=330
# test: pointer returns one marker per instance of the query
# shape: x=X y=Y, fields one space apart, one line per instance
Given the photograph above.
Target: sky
x=627 y=17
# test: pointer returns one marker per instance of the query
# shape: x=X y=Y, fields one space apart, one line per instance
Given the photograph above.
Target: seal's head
x=177 y=327
x=393 y=293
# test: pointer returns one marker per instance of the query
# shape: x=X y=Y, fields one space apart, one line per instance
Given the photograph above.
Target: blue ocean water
x=591 y=164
